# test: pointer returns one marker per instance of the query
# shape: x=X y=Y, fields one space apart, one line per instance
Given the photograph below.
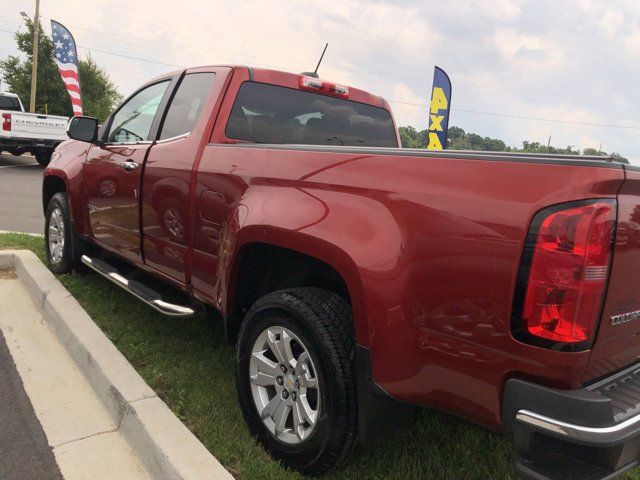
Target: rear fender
x=318 y=225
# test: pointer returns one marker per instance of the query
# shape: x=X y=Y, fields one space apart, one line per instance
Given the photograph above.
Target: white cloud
x=495 y=10
x=610 y=23
x=632 y=44
x=505 y=10
x=528 y=50
x=571 y=60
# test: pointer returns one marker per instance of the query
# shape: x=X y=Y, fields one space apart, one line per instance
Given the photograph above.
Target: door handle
x=129 y=165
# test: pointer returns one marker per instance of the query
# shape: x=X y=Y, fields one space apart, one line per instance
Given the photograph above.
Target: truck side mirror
x=84 y=129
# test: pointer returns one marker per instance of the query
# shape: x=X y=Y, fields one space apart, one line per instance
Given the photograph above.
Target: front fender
x=67 y=165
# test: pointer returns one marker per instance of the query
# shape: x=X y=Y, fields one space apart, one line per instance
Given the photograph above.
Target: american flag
x=67 y=60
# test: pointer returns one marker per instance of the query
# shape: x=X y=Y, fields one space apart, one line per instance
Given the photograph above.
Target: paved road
x=24 y=451
x=20 y=194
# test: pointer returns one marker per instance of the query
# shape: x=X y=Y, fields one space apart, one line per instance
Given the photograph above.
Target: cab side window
x=132 y=123
x=187 y=104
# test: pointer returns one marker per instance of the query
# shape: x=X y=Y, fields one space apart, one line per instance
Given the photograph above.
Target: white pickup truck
x=29 y=132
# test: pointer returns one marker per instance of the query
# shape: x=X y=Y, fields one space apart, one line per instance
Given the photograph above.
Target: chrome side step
x=137 y=289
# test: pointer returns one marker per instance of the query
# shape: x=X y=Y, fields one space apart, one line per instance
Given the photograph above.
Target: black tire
x=70 y=251
x=43 y=158
x=324 y=323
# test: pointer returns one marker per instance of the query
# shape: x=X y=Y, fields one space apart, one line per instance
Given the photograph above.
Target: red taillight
x=321 y=86
x=564 y=272
x=6 y=122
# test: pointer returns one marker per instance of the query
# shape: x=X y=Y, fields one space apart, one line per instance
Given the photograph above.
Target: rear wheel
x=60 y=240
x=296 y=379
x=43 y=158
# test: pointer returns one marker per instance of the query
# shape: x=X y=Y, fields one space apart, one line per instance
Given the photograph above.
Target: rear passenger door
x=166 y=185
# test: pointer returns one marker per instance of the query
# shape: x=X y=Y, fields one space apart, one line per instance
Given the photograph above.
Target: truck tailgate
x=618 y=340
x=46 y=127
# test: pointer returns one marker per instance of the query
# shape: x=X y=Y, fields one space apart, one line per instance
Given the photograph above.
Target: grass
x=191 y=367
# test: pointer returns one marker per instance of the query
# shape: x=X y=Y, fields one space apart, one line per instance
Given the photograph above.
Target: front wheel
x=60 y=241
x=296 y=380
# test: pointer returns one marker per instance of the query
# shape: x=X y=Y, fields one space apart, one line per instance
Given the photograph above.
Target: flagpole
x=34 y=62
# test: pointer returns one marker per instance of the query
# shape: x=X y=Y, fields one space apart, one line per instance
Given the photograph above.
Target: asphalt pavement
x=24 y=451
x=20 y=194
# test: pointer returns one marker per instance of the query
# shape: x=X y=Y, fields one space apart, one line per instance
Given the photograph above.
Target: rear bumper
x=589 y=433
x=28 y=144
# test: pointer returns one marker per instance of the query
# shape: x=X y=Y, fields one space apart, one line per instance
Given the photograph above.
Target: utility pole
x=34 y=63
x=549 y=144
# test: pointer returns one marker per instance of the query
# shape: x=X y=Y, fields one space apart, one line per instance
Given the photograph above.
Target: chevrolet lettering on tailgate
x=625 y=318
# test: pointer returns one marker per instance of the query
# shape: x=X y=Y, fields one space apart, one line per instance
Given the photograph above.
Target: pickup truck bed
x=482 y=284
x=22 y=132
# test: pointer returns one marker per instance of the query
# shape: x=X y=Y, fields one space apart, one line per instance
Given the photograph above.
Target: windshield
x=265 y=113
x=9 y=103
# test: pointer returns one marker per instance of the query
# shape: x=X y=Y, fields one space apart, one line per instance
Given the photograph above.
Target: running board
x=137 y=289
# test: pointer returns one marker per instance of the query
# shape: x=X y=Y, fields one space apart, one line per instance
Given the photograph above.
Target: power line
x=361 y=72
x=553 y=120
x=91 y=49
x=152 y=44
x=289 y=62
x=524 y=117
x=521 y=117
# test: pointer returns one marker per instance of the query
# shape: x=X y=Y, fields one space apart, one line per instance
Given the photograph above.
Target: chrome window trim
x=183 y=135
x=117 y=144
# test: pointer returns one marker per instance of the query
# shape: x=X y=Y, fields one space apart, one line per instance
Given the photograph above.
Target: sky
x=553 y=61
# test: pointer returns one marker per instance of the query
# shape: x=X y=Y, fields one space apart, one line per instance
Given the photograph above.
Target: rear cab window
x=265 y=113
x=9 y=103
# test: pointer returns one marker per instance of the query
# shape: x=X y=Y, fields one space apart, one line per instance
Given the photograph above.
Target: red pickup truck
x=355 y=276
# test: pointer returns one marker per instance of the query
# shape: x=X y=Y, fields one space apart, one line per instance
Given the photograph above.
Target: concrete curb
x=23 y=233
x=167 y=449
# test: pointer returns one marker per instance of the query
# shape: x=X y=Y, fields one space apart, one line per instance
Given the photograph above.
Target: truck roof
x=287 y=79
x=9 y=94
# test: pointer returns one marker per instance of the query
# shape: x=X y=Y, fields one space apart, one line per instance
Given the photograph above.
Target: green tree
x=619 y=158
x=592 y=151
x=458 y=139
x=409 y=137
x=99 y=94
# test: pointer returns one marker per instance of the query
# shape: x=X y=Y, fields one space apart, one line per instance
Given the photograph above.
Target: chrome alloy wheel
x=56 y=235
x=284 y=385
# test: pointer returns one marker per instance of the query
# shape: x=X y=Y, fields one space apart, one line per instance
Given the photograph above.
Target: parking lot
x=20 y=190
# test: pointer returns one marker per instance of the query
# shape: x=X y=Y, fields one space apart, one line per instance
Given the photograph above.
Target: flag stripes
x=66 y=60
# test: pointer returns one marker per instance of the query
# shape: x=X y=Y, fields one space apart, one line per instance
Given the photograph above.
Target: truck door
x=167 y=187
x=113 y=170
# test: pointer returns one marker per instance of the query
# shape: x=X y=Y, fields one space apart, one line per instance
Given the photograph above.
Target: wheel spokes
x=265 y=365
x=303 y=371
x=271 y=407
x=53 y=232
x=284 y=384
x=56 y=235
x=280 y=417
x=280 y=344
